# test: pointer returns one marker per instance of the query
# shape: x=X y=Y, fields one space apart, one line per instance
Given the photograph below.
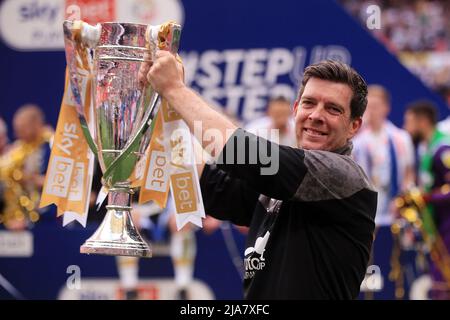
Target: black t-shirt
x=311 y=222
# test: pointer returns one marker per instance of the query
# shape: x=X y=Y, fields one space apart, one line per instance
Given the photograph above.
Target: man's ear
x=354 y=127
x=296 y=103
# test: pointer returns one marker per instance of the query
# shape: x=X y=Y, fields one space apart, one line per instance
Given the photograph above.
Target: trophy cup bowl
x=123 y=109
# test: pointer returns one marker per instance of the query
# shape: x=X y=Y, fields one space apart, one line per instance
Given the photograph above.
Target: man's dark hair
x=342 y=73
x=424 y=108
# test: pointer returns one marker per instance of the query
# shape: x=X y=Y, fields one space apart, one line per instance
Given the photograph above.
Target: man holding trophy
x=310 y=209
x=312 y=220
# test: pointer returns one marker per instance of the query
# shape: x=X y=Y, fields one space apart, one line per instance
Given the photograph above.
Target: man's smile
x=314 y=133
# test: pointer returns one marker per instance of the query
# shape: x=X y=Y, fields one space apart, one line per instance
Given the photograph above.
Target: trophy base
x=115 y=249
x=117 y=234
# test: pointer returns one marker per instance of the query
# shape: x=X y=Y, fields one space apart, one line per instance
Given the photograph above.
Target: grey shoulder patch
x=330 y=176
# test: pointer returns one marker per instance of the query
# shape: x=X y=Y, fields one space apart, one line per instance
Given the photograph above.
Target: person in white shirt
x=444 y=125
x=385 y=152
x=279 y=117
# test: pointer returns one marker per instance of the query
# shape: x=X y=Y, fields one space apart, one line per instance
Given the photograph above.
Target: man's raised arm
x=166 y=77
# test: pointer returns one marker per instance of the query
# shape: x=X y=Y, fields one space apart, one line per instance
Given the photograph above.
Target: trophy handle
x=71 y=46
x=171 y=43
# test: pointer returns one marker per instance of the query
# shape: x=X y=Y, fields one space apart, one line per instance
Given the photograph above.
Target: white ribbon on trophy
x=184 y=181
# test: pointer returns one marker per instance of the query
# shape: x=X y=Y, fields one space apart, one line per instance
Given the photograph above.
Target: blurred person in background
x=278 y=117
x=3 y=147
x=434 y=183
x=3 y=137
x=385 y=152
x=23 y=166
x=444 y=125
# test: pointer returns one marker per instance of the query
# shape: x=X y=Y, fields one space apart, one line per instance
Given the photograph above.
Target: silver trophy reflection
x=123 y=110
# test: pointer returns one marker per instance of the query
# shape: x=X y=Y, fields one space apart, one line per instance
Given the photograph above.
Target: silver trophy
x=124 y=105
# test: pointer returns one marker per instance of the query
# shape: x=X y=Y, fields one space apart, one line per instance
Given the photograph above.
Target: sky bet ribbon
x=170 y=162
x=69 y=174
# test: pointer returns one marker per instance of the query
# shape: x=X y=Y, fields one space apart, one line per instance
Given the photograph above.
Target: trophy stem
x=117 y=234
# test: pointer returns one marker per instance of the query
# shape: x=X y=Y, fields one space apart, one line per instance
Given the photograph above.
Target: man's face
x=377 y=110
x=279 y=112
x=413 y=124
x=323 y=119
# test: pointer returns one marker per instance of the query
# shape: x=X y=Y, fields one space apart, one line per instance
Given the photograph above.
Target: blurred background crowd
x=417 y=31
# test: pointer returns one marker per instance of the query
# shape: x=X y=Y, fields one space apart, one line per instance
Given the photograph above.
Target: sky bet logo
x=37 y=24
x=38 y=10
